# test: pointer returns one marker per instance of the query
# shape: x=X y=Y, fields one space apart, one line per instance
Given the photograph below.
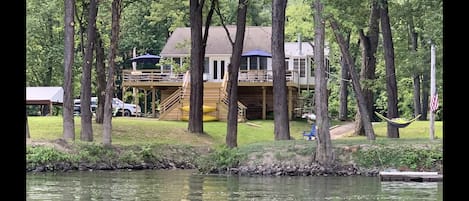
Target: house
x=255 y=75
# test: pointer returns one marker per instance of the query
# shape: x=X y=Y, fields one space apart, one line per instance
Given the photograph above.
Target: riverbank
x=278 y=158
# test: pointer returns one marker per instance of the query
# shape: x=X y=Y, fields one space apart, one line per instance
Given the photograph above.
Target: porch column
x=263 y=103
x=50 y=108
x=153 y=96
x=290 y=102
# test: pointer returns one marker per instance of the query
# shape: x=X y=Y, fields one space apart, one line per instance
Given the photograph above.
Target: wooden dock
x=411 y=176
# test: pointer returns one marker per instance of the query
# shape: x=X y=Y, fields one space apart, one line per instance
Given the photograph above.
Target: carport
x=44 y=96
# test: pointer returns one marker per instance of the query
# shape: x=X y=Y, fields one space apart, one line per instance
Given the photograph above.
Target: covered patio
x=49 y=96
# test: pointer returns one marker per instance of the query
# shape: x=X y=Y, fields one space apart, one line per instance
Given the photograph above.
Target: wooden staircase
x=214 y=96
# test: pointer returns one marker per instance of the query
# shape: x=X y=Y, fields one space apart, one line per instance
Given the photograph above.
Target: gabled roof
x=255 y=37
x=44 y=95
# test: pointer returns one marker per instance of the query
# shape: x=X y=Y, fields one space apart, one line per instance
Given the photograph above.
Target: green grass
x=131 y=130
x=416 y=130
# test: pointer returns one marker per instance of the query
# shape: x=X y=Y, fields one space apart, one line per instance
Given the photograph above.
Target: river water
x=188 y=185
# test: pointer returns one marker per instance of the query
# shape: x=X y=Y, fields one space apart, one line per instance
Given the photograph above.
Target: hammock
x=397 y=122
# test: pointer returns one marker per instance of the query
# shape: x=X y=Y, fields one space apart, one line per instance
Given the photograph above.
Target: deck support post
x=290 y=102
x=146 y=99
x=264 y=109
x=153 y=96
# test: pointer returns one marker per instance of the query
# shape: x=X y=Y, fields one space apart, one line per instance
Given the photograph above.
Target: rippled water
x=188 y=185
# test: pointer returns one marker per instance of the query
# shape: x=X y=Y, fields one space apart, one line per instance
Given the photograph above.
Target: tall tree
x=86 y=133
x=198 y=44
x=369 y=44
x=416 y=75
x=233 y=68
x=116 y=10
x=100 y=78
x=391 y=85
x=324 y=153
x=370 y=134
x=69 y=45
x=344 y=83
x=281 y=120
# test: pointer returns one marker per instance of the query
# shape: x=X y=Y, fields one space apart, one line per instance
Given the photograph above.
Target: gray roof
x=44 y=95
x=256 y=37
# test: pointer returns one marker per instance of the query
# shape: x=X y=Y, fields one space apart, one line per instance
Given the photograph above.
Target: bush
x=404 y=156
x=222 y=158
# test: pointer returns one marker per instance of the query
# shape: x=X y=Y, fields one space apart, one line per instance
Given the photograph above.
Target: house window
x=222 y=70
x=302 y=67
x=206 y=65
x=263 y=62
x=296 y=63
x=311 y=61
x=167 y=67
x=215 y=69
x=253 y=64
x=244 y=63
x=177 y=61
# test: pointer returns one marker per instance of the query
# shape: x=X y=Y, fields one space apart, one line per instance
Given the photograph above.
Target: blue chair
x=310 y=134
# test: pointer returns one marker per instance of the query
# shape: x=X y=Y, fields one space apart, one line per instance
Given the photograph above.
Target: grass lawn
x=131 y=130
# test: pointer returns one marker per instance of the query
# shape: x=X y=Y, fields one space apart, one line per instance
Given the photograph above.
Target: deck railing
x=264 y=76
x=168 y=76
x=151 y=76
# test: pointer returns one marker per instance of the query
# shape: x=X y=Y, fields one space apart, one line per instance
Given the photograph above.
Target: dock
x=411 y=176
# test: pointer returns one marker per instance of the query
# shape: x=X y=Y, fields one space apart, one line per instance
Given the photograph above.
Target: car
x=77 y=106
x=119 y=107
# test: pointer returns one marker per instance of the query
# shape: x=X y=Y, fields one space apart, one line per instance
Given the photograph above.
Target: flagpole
x=432 y=91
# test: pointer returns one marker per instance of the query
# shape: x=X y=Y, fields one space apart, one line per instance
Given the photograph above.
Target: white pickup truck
x=118 y=107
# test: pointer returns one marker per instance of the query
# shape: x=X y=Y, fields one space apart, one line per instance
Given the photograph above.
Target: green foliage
x=129 y=157
x=93 y=152
x=141 y=30
x=404 y=156
x=42 y=155
x=146 y=153
x=300 y=20
x=222 y=158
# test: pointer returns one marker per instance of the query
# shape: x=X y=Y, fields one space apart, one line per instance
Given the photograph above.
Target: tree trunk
x=196 y=69
x=69 y=45
x=416 y=75
x=101 y=78
x=391 y=85
x=281 y=119
x=425 y=94
x=107 y=121
x=50 y=68
x=344 y=83
x=324 y=152
x=355 y=81
x=86 y=133
x=233 y=68
x=369 y=44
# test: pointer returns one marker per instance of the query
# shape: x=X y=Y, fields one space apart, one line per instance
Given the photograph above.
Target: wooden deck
x=411 y=176
x=149 y=78
x=255 y=92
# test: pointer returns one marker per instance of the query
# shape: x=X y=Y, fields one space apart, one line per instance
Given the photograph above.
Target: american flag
x=434 y=103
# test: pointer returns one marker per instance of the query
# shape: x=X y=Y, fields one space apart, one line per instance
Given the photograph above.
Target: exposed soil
x=342 y=130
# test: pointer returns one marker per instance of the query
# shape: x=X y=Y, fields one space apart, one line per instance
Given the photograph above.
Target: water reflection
x=187 y=185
